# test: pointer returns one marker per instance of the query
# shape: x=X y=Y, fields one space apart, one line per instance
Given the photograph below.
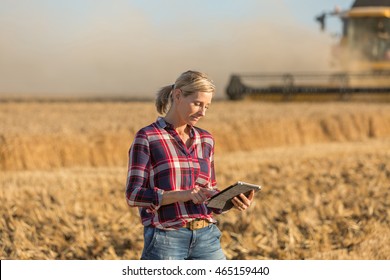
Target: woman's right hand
x=199 y=195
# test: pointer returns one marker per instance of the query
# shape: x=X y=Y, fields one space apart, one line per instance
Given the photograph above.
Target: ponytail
x=163 y=99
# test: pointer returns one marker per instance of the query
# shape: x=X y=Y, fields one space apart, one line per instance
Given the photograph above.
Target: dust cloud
x=118 y=50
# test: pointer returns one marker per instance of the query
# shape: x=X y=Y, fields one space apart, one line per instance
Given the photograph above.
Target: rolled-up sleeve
x=138 y=190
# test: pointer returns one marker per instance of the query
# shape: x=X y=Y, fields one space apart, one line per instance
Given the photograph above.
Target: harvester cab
x=365 y=42
x=363 y=55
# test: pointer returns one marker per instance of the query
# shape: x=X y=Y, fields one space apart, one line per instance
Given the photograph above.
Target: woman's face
x=193 y=107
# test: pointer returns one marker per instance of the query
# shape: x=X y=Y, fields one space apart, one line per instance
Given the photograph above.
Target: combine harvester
x=363 y=53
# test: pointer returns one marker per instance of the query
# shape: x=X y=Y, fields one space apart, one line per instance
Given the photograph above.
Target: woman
x=171 y=175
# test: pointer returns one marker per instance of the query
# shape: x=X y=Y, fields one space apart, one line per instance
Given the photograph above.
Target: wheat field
x=324 y=168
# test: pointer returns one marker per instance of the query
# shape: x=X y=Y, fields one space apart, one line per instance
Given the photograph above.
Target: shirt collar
x=163 y=124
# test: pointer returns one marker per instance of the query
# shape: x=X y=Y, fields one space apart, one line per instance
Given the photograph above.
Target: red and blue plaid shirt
x=160 y=161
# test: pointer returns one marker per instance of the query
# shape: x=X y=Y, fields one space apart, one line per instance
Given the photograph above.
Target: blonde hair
x=189 y=82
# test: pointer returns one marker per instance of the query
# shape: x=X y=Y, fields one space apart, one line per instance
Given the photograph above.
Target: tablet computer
x=222 y=200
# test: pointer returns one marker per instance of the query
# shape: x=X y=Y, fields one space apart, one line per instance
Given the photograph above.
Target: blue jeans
x=182 y=244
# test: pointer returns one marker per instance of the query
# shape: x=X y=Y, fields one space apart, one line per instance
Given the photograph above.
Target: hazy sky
x=134 y=47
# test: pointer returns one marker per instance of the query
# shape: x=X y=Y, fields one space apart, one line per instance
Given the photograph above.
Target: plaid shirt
x=160 y=161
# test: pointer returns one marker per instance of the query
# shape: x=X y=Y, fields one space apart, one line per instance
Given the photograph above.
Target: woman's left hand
x=241 y=202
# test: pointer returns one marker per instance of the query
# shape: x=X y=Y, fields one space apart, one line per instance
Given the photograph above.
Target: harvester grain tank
x=362 y=54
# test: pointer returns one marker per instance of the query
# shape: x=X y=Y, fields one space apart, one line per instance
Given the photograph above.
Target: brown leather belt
x=197 y=224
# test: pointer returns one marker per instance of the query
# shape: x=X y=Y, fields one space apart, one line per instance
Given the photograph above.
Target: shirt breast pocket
x=204 y=172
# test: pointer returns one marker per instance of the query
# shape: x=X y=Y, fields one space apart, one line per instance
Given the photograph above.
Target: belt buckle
x=197 y=224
